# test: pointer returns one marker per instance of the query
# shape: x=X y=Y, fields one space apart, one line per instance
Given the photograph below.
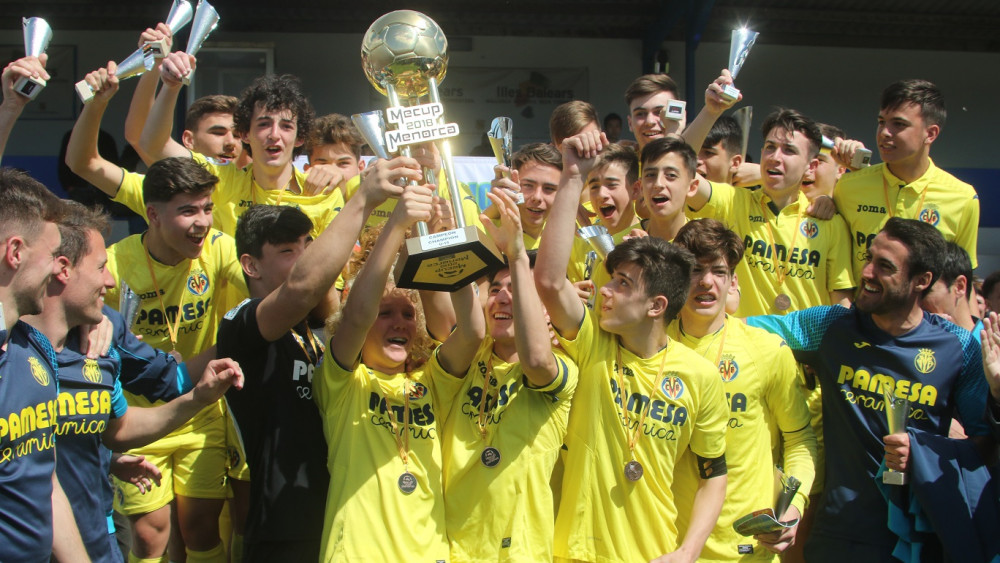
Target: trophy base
x=84 y=91
x=894 y=478
x=186 y=79
x=446 y=261
x=862 y=158
x=730 y=93
x=153 y=50
x=29 y=87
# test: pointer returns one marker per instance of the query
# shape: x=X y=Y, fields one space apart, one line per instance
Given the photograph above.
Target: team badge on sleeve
x=672 y=386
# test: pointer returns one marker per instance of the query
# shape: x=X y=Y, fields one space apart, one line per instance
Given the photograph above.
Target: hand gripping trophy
x=404 y=54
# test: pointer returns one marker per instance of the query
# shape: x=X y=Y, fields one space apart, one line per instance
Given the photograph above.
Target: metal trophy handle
x=37 y=35
x=206 y=19
x=897 y=411
x=741 y=42
x=404 y=55
x=179 y=16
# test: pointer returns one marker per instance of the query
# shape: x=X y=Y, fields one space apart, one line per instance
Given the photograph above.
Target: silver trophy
x=128 y=305
x=371 y=125
x=179 y=16
x=37 y=35
x=598 y=238
x=134 y=65
x=744 y=116
x=861 y=159
x=501 y=136
x=739 y=47
x=206 y=19
x=897 y=411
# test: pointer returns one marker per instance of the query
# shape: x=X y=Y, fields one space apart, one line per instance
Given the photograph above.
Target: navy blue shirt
x=89 y=395
x=28 y=388
x=937 y=366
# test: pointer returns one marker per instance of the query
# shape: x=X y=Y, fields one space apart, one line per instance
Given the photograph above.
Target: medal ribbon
x=722 y=343
x=780 y=274
x=619 y=368
x=171 y=329
x=888 y=206
x=402 y=438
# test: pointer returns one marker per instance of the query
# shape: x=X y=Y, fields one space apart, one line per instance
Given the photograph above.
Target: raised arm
x=140 y=426
x=458 y=351
x=555 y=290
x=531 y=332
x=317 y=268
x=696 y=131
x=81 y=152
x=13 y=103
x=155 y=140
x=145 y=92
x=362 y=306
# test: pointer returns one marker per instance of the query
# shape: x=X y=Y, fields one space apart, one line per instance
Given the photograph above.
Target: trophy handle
x=447 y=161
x=390 y=91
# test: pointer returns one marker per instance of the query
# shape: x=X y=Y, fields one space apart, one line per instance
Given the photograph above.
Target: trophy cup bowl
x=206 y=19
x=37 y=35
x=501 y=137
x=741 y=42
x=371 y=125
x=897 y=411
x=599 y=239
x=404 y=49
x=179 y=16
x=404 y=55
x=128 y=305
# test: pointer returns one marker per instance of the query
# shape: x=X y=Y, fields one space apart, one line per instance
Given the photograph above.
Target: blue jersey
x=937 y=366
x=89 y=395
x=28 y=388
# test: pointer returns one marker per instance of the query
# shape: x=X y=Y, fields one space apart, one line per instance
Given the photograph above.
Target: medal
x=408 y=482
x=782 y=302
x=490 y=457
x=633 y=471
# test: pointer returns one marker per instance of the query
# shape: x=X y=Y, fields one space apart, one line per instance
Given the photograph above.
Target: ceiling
x=955 y=25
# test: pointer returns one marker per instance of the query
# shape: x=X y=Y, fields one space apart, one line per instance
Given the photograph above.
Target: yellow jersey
x=368 y=516
x=504 y=512
x=868 y=197
x=189 y=299
x=786 y=253
x=236 y=192
x=603 y=516
x=761 y=382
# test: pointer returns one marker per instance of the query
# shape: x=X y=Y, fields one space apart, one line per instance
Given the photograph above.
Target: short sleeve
x=708 y=439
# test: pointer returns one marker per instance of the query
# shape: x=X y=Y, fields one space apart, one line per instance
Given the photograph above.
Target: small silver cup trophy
x=897 y=411
x=739 y=47
x=37 y=35
x=861 y=159
x=143 y=59
x=501 y=137
x=128 y=305
x=206 y=19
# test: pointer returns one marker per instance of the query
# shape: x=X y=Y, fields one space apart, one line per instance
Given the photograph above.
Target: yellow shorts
x=238 y=468
x=193 y=464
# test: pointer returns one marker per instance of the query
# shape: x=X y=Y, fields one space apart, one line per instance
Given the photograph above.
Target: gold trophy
x=739 y=47
x=206 y=19
x=897 y=411
x=404 y=54
x=179 y=16
x=37 y=35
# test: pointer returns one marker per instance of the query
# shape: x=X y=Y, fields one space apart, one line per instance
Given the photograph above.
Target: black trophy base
x=446 y=261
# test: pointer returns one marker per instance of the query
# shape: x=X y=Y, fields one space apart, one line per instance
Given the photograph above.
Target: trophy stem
x=390 y=91
x=447 y=161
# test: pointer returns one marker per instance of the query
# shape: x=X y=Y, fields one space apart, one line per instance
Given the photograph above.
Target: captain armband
x=709 y=467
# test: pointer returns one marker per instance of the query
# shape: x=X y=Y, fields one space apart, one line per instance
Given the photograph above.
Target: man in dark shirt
x=289 y=275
